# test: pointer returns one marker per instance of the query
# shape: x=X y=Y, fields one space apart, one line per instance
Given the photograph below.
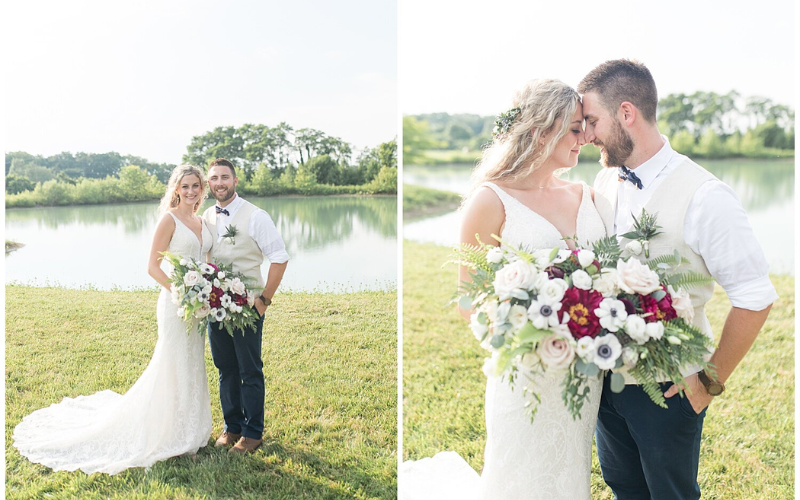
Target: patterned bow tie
x=626 y=174
x=221 y=210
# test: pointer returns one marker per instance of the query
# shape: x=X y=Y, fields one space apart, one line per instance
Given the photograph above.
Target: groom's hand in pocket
x=695 y=391
x=261 y=308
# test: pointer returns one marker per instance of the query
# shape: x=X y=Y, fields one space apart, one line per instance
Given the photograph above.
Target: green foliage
x=17 y=184
x=416 y=138
x=419 y=199
x=385 y=182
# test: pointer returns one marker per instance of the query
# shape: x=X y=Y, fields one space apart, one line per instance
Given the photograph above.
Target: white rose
x=478 y=329
x=682 y=304
x=611 y=314
x=207 y=288
x=181 y=312
x=634 y=247
x=636 y=329
x=182 y=262
x=221 y=275
x=629 y=357
x=585 y=258
x=562 y=256
x=251 y=298
x=519 y=275
x=202 y=312
x=582 y=280
x=585 y=348
x=553 y=291
x=606 y=284
x=191 y=278
x=494 y=255
x=635 y=277
x=542 y=258
x=556 y=352
x=517 y=316
x=607 y=350
x=216 y=283
x=236 y=308
x=655 y=330
x=539 y=281
x=490 y=308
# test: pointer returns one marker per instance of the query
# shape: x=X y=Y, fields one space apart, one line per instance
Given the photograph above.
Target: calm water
x=765 y=187
x=335 y=243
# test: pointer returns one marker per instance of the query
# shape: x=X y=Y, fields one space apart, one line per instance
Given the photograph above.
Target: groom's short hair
x=623 y=80
x=223 y=162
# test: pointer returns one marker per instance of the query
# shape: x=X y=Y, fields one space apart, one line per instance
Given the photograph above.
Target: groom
x=238 y=358
x=647 y=452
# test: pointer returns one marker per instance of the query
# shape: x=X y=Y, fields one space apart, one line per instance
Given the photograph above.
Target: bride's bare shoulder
x=483 y=198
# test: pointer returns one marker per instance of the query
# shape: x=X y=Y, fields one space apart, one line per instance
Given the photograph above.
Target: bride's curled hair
x=171 y=197
x=546 y=108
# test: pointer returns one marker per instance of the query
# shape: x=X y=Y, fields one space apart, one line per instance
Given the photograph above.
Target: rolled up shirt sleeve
x=266 y=236
x=717 y=228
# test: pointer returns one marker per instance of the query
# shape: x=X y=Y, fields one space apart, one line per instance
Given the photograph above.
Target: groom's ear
x=627 y=113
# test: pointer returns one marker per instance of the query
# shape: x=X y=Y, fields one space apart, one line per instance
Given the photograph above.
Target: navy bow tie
x=626 y=174
x=221 y=210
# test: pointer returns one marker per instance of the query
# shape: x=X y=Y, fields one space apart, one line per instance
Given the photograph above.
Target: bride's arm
x=164 y=230
x=482 y=214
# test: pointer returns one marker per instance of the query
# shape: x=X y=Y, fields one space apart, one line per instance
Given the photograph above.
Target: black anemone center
x=604 y=351
x=546 y=310
x=613 y=313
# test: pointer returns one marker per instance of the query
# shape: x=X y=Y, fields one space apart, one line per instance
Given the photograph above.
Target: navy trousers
x=241 y=378
x=647 y=452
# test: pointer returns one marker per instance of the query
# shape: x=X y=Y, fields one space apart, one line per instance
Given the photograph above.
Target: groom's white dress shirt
x=261 y=229
x=716 y=228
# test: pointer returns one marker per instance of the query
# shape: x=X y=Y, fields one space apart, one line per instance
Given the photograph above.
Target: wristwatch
x=713 y=387
x=264 y=300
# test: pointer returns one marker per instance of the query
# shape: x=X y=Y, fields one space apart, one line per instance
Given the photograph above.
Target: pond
x=765 y=188
x=336 y=243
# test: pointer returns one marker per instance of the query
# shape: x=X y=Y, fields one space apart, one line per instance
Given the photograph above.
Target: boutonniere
x=231 y=233
x=644 y=229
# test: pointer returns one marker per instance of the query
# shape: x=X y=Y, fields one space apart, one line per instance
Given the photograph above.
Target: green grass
x=330 y=363
x=748 y=438
x=12 y=245
x=419 y=200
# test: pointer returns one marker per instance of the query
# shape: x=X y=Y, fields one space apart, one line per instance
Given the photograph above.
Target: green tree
x=324 y=168
x=16 y=184
x=416 y=139
x=32 y=171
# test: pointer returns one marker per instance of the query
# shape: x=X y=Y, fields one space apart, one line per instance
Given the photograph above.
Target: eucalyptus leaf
x=658 y=295
x=498 y=341
x=663 y=265
x=617 y=382
x=465 y=302
x=588 y=369
x=520 y=294
x=531 y=334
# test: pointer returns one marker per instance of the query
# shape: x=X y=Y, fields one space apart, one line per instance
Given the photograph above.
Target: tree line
x=705 y=124
x=269 y=160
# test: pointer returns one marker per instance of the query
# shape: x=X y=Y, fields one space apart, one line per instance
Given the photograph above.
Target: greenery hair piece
x=504 y=121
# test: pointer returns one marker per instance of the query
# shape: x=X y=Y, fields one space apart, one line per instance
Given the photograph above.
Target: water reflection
x=765 y=188
x=338 y=242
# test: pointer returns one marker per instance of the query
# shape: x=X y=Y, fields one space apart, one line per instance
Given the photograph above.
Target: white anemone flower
x=612 y=314
x=543 y=314
x=607 y=350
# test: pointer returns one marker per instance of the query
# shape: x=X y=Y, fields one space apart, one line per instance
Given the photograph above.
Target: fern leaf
x=688 y=279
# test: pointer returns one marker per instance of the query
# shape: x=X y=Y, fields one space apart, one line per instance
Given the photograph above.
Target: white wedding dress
x=166 y=413
x=549 y=459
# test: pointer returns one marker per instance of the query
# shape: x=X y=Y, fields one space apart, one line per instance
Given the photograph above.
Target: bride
x=517 y=195
x=167 y=412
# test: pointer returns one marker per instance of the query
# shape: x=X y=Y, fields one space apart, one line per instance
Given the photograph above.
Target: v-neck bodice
x=185 y=242
x=528 y=229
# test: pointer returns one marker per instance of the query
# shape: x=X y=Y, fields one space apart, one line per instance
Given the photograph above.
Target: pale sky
x=464 y=56
x=144 y=77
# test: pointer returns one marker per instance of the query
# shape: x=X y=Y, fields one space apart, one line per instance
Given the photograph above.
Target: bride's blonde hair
x=171 y=197
x=544 y=106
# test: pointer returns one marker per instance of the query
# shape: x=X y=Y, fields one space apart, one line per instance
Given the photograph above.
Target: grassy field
x=748 y=439
x=419 y=200
x=330 y=362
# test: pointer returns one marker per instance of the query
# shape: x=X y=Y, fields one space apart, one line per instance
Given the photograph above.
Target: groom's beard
x=617 y=149
x=224 y=196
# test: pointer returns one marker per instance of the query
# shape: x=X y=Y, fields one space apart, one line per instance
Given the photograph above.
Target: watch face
x=715 y=389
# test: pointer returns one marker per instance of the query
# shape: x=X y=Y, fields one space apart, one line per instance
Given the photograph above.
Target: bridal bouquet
x=211 y=293
x=580 y=312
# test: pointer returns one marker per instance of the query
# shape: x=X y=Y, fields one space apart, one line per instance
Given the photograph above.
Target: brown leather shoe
x=246 y=445
x=227 y=439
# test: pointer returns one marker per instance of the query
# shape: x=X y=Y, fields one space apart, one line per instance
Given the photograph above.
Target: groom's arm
x=740 y=331
x=717 y=228
x=266 y=236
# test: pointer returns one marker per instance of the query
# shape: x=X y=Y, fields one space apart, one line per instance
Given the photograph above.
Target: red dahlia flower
x=659 y=311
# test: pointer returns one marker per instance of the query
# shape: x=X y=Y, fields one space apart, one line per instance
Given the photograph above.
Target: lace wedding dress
x=166 y=413
x=549 y=459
